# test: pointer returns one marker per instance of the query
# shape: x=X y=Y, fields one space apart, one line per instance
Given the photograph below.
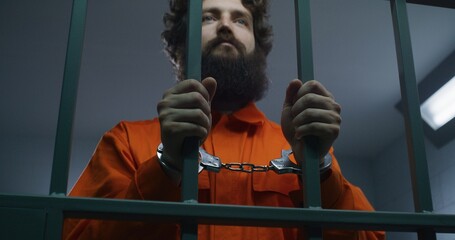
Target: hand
x=310 y=110
x=184 y=111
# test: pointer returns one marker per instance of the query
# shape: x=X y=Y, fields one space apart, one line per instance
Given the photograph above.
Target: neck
x=228 y=107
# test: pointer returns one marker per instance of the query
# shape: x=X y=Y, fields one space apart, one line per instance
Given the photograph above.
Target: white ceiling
x=124 y=70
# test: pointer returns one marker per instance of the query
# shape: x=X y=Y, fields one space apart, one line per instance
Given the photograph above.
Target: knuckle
x=201 y=115
x=312 y=84
x=162 y=104
x=338 y=119
x=192 y=85
x=335 y=131
x=198 y=99
x=166 y=93
x=311 y=98
x=337 y=107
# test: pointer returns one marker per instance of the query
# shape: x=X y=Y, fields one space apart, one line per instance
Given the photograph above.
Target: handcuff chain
x=245 y=167
x=279 y=165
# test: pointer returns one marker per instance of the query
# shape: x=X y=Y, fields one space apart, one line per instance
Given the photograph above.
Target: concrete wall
x=392 y=181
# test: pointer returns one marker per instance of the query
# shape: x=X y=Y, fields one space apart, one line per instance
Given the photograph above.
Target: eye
x=208 y=18
x=241 y=21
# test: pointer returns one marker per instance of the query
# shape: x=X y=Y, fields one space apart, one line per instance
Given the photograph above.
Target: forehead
x=225 y=5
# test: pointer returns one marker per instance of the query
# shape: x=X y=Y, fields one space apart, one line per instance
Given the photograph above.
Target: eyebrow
x=235 y=13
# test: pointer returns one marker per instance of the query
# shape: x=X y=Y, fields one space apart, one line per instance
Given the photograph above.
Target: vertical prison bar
x=62 y=148
x=411 y=105
x=310 y=166
x=68 y=97
x=191 y=144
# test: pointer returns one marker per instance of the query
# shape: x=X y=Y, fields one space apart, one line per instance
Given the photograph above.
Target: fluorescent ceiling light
x=440 y=107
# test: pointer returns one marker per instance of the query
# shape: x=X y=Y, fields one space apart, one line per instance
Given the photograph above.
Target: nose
x=225 y=24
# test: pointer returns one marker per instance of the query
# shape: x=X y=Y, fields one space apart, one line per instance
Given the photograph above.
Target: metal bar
x=304 y=40
x=310 y=165
x=137 y=210
x=54 y=224
x=20 y=223
x=191 y=144
x=62 y=148
x=412 y=117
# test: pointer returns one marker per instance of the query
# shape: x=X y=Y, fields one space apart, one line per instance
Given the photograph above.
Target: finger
x=194 y=116
x=181 y=130
x=187 y=86
x=312 y=100
x=191 y=100
x=315 y=87
x=317 y=115
x=318 y=129
x=210 y=84
x=291 y=93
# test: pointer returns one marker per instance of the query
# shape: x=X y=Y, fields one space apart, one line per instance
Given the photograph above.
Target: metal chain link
x=279 y=165
x=245 y=167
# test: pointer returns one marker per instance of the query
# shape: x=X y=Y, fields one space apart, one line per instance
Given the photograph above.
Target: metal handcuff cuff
x=279 y=165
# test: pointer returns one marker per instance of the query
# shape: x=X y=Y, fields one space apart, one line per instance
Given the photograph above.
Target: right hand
x=184 y=111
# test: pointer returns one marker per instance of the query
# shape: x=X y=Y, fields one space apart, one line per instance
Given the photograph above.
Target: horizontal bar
x=97 y=208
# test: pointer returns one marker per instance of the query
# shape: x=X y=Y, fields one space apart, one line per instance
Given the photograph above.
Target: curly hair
x=175 y=23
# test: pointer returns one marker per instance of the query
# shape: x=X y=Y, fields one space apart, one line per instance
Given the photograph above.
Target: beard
x=240 y=79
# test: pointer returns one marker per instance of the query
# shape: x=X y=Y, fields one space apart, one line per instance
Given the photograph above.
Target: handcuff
x=212 y=163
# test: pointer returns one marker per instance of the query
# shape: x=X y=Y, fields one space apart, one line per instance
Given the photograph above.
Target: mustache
x=225 y=38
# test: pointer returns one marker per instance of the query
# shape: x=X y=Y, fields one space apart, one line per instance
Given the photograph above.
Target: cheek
x=250 y=43
x=206 y=36
x=246 y=37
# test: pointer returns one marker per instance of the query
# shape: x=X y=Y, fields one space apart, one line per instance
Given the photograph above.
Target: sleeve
x=113 y=172
x=338 y=193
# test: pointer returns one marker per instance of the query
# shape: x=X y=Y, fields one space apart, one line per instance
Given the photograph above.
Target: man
x=220 y=110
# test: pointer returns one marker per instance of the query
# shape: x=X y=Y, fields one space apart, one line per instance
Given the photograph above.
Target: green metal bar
x=54 y=224
x=304 y=40
x=191 y=145
x=137 y=210
x=310 y=167
x=14 y=226
x=193 y=54
x=62 y=148
x=412 y=117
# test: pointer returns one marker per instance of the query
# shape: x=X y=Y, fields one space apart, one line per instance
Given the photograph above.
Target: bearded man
x=220 y=110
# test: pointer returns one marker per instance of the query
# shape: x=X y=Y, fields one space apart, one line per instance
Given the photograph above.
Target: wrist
x=325 y=164
x=170 y=170
x=325 y=167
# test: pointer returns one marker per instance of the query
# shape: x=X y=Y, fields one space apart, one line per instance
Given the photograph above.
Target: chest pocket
x=271 y=189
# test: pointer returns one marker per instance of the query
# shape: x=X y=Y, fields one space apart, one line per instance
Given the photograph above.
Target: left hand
x=310 y=110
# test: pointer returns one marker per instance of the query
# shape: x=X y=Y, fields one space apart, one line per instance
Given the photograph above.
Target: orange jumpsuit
x=125 y=165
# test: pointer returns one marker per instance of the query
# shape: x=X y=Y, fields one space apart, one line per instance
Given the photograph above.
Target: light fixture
x=439 y=109
x=437 y=102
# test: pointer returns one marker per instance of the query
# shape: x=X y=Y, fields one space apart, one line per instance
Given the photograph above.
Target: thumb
x=291 y=92
x=210 y=84
x=286 y=116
